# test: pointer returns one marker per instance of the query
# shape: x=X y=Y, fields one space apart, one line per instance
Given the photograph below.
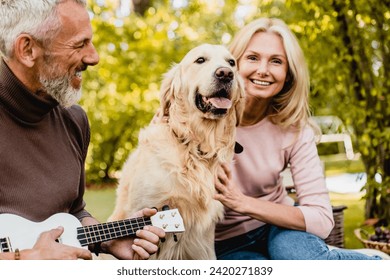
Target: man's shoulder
x=77 y=124
x=77 y=111
x=76 y=114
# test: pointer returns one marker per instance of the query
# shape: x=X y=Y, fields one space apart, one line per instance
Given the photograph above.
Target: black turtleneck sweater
x=42 y=153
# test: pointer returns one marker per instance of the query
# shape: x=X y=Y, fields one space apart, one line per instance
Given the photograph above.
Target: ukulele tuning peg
x=165 y=207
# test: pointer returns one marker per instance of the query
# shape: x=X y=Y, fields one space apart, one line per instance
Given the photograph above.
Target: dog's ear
x=167 y=89
x=240 y=104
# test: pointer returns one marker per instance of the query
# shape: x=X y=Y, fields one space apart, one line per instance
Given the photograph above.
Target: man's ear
x=26 y=50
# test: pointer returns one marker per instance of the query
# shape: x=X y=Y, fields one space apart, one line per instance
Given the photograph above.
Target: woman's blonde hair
x=290 y=106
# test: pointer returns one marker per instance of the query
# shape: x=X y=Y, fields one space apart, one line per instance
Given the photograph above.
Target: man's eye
x=82 y=44
x=200 y=60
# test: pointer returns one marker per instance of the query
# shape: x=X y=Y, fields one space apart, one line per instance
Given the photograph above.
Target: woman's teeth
x=261 y=83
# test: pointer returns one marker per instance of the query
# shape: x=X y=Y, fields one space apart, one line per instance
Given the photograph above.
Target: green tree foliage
x=346 y=46
x=346 y=43
x=136 y=49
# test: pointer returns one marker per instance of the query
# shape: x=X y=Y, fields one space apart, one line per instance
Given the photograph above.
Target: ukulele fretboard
x=5 y=245
x=111 y=230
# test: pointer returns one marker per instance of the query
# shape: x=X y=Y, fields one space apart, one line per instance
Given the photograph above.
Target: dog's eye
x=200 y=60
x=232 y=62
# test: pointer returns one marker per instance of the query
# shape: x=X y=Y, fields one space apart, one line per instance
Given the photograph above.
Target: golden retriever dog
x=201 y=102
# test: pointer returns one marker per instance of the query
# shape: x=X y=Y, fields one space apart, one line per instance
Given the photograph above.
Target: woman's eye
x=200 y=60
x=252 y=57
x=276 y=61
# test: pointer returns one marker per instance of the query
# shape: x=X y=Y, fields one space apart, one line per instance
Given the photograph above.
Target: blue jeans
x=274 y=243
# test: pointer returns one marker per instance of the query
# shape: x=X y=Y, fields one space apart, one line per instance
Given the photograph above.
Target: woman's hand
x=227 y=191
x=266 y=211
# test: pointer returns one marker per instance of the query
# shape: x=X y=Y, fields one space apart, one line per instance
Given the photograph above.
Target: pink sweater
x=267 y=151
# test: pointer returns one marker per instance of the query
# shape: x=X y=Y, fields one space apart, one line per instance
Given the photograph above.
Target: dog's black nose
x=224 y=74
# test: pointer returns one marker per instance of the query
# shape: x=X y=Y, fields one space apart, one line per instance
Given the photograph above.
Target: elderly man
x=44 y=136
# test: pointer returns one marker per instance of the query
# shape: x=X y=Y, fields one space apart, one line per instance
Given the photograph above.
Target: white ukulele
x=18 y=232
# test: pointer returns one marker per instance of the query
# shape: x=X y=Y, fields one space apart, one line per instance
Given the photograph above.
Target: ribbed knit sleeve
x=309 y=182
x=78 y=118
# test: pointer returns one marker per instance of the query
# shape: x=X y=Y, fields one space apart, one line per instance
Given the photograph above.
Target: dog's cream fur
x=178 y=153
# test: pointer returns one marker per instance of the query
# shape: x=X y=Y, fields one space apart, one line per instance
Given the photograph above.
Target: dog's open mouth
x=217 y=104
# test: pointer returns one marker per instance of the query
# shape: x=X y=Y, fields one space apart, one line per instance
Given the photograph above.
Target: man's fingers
x=153 y=231
x=148 y=212
x=60 y=251
x=149 y=247
x=151 y=234
x=84 y=254
x=140 y=252
x=147 y=241
x=53 y=234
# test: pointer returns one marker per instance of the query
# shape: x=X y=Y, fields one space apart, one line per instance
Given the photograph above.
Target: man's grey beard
x=61 y=90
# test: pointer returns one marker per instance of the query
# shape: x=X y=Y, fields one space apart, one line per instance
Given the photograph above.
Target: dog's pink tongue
x=220 y=102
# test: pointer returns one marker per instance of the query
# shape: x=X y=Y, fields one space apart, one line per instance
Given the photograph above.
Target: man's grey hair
x=35 y=17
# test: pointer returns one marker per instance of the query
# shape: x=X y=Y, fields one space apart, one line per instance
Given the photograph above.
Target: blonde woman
x=261 y=220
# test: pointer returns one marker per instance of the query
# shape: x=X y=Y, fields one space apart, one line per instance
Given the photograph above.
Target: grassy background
x=100 y=202
x=354 y=214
